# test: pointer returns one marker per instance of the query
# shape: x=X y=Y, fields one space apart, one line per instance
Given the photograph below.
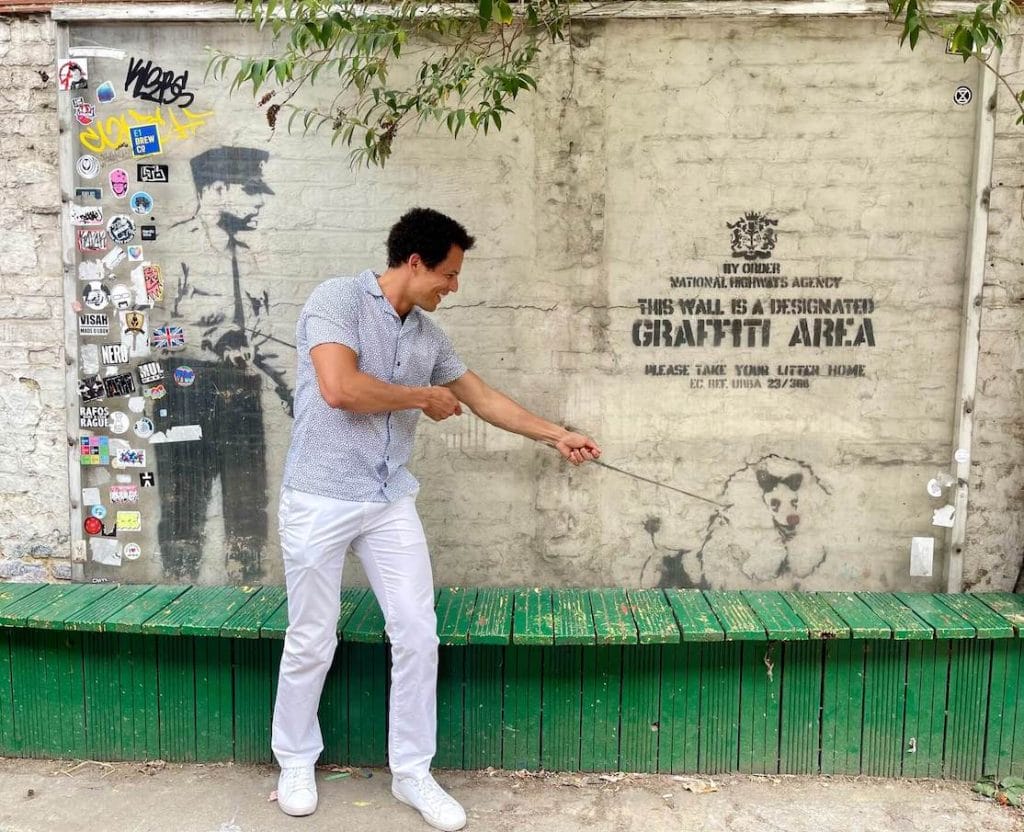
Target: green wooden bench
x=651 y=680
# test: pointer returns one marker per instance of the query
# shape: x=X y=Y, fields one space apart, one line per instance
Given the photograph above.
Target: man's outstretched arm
x=342 y=385
x=495 y=407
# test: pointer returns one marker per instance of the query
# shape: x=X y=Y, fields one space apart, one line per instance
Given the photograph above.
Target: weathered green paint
x=655 y=622
x=760 y=693
x=884 y=686
x=613 y=618
x=572 y=618
x=801 y=705
x=842 y=706
x=859 y=617
x=51 y=617
x=91 y=617
x=531 y=617
x=250 y=617
x=776 y=616
x=1006 y=604
x=454 y=609
x=899 y=617
x=925 y=728
x=492 y=617
x=131 y=617
x=602 y=706
x=738 y=619
x=484 y=673
x=945 y=622
x=986 y=623
x=696 y=620
x=969 y=670
x=561 y=704
x=679 y=730
x=1004 y=740
x=821 y=621
x=719 y=707
x=521 y=727
x=367 y=670
x=450 y=714
x=640 y=712
x=367 y=622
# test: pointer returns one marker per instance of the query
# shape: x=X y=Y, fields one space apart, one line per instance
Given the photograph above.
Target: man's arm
x=499 y=410
x=343 y=386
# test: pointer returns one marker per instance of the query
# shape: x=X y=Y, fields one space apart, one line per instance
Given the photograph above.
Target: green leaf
x=485 y=11
x=1012 y=782
x=987 y=789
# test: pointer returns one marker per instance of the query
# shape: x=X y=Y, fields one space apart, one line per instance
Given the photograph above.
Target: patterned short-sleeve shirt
x=362 y=456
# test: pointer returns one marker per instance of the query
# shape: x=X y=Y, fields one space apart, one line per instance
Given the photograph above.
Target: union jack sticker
x=168 y=337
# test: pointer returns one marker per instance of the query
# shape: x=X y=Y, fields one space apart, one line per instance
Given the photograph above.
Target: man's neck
x=394 y=284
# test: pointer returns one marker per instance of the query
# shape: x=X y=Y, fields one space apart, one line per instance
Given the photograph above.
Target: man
x=222 y=320
x=369 y=361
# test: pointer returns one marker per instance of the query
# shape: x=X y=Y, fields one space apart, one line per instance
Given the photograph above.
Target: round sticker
x=121 y=228
x=962 y=95
x=121 y=296
x=99 y=512
x=144 y=428
x=136 y=404
x=141 y=202
x=93 y=525
x=962 y=455
x=119 y=182
x=88 y=167
x=184 y=376
x=934 y=488
x=118 y=422
x=131 y=551
x=95 y=295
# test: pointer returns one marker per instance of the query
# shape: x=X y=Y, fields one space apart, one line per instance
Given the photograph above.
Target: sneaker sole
x=296 y=814
x=435 y=823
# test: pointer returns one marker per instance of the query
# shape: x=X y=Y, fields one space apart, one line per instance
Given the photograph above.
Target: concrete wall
x=603 y=213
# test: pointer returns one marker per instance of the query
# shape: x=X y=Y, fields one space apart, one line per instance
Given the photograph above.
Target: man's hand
x=440 y=403
x=577 y=448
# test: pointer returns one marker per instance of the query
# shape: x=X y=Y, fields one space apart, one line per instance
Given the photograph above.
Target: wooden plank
x=214 y=700
x=969 y=671
x=140 y=712
x=861 y=619
x=522 y=714
x=492 y=617
x=655 y=622
x=738 y=620
x=484 y=673
x=572 y=617
x=640 y=713
x=1004 y=740
x=842 y=706
x=451 y=674
x=986 y=622
x=821 y=620
x=176 y=697
x=248 y=620
x=945 y=622
x=720 y=707
x=900 y=618
x=254 y=672
x=7 y=745
x=101 y=691
x=760 y=697
x=801 y=706
x=1007 y=604
x=454 y=609
x=561 y=706
x=367 y=669
x=679 y=731
x=17 y=613
x=884 y=707
x=613 y=620
x=531 y=617
x=366 y=626
x=51 y=617
x=12 y=593
x=131 y=617
x=90 y=618
x=200 y=612
x=696 y=620
x=602 y=697
x=777 y=617
x=925 y=720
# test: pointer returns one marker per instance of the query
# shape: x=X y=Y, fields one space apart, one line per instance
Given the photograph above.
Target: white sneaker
x=296 y=790
x=439 y=809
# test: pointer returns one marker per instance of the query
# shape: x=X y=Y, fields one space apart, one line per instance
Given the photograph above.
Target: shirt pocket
x=415 y=361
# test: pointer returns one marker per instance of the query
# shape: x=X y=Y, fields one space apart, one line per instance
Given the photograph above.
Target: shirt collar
x=368 y=280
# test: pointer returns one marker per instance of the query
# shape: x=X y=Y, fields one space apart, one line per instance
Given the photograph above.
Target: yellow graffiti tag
x=113 y=132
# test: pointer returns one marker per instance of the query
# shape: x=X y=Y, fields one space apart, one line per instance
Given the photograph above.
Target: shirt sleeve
x=332 y=315
x=448 y=366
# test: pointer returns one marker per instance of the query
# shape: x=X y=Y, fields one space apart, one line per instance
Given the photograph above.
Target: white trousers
x=388 y=539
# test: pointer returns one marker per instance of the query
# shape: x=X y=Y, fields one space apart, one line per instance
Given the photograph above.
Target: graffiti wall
x=732 y=256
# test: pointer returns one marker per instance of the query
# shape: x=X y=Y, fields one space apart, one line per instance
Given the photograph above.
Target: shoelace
x=299 y=777
x=436 y=797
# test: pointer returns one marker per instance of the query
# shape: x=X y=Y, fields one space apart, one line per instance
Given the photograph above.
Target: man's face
x=238 y=204
x=429 y=286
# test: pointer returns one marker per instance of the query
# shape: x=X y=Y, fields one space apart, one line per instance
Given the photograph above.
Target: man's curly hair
x=428 y=233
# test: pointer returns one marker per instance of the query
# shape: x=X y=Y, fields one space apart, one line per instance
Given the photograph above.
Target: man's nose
x=454 y=284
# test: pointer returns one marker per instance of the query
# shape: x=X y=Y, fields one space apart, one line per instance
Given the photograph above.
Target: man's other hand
x=577 y=448
x=440 y=403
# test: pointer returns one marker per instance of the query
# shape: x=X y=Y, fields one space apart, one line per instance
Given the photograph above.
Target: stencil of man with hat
x=227 y=345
